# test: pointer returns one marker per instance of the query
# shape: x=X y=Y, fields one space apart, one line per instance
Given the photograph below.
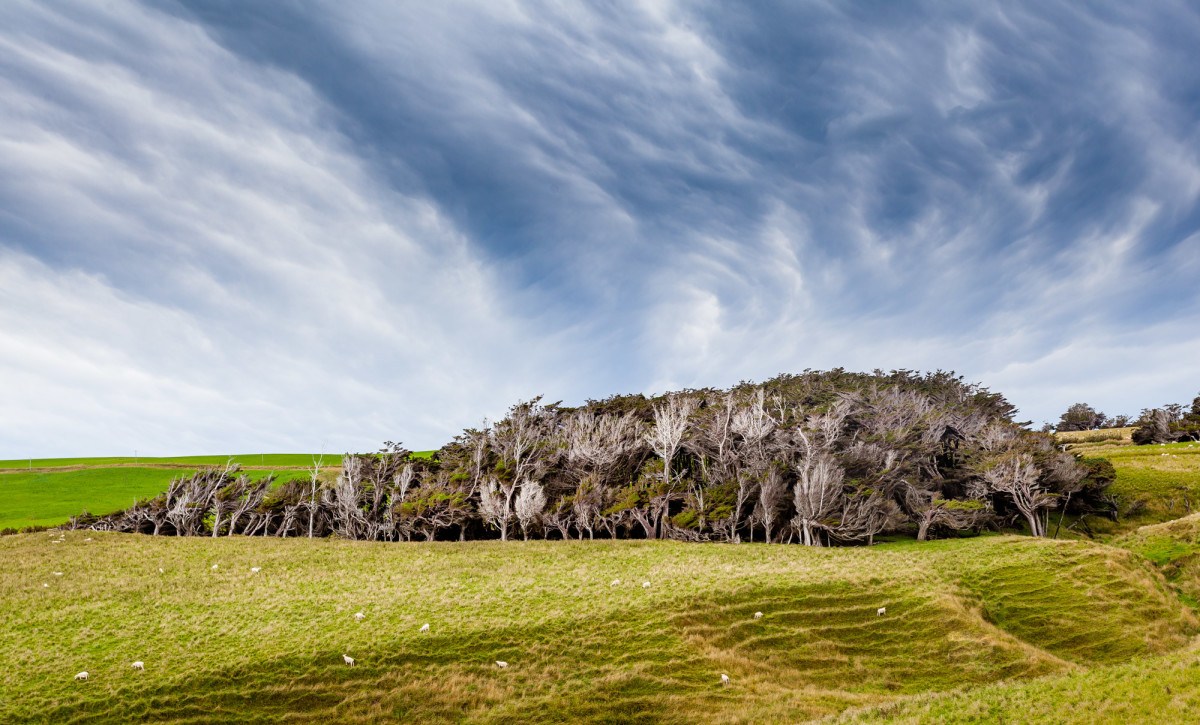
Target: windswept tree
x=520 y=441
x=1014 y=474
x=530 y=504
x=665 y=439
x=824 y=458
x=1081 y=416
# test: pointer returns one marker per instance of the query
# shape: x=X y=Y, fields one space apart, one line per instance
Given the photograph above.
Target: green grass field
x=1165 y=479
x=49 y=499
x=231 y=645
x=283 y=460
x=58 y=488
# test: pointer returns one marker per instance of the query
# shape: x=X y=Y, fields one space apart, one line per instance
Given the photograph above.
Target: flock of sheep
x=360 y=616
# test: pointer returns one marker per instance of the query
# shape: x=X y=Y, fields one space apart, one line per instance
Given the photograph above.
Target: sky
x=233 y=227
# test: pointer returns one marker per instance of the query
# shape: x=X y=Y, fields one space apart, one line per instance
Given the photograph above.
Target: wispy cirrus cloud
x=229 y=226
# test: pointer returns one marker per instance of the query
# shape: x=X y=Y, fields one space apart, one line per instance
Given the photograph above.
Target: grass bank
x=230 y=644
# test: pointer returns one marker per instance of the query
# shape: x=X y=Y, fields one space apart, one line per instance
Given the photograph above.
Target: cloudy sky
x=230 y=227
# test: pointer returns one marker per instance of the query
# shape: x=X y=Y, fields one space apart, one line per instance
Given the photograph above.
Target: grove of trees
x=1168 y=424
x=818 y=458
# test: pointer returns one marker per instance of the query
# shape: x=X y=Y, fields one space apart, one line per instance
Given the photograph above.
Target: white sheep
x=215 y=567
x=615 y=582
x=160 y=571
x=255 y=569
x=881 y=611
x=645 y=585
x=425 y=628
x=349 y=659
x=724 y=679
x=139 y=665
x=45 y=585
x=58 y=573
x=88 y=539
x=359 y=616
x=501 y=665
x=758 y=615
x=81 y=676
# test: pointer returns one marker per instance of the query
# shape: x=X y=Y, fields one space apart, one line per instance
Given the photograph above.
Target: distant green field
x=1166 y=479
x=103 y=485
x=49 y=499
x=250 y=459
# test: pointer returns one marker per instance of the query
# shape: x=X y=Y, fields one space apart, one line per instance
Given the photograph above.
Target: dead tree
x=530 y=504
x=666 y=438
x=314 y=487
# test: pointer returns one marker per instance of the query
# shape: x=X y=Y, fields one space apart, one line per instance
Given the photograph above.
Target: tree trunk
x=923 y=529
x=1064 y=513
x=1035 y=523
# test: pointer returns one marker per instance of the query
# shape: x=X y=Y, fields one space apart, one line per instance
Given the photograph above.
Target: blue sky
x=230 y=227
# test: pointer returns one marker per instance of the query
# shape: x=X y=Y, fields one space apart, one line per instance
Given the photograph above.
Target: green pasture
x=1156 y=482
x=286 y=460
x=44 y=496
x=584 y=639
x=50 y=498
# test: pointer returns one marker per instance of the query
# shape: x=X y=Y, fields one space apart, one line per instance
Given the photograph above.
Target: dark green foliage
x=1081 y=416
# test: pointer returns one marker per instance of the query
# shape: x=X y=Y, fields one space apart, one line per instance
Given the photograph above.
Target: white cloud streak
x=207 y=249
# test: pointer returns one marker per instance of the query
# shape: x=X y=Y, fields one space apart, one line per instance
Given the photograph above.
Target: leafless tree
x=530 y=504
x=666 y=438
x=1014 y=474
x=772 y=495
x=250 y=498
x=314 y=486
x=817 y=495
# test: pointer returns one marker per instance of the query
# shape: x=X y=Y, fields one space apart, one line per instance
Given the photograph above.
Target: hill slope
x=229 y=644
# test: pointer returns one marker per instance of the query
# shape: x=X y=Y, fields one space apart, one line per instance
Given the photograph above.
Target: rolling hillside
x=230 y=644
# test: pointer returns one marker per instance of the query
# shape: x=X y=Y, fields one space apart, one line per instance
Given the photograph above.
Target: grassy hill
x=1154 y=483
x=1144 y=689
x=231 y=645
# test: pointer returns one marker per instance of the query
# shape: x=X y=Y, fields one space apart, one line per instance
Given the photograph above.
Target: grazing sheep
x=81 y=676
x=724 y=679
x=645 y=585
x=56 y=541
x=359 y=616
x=425 y=628
x=214 y=567
x=881 y=611
x=45 y=585
x=139 y=665
x=160 y=571
x=758 y=615
x=255 y=569
x=58 y=573
x=88 y=539
x=349 y=659
x=501 y=665
x=615 y=582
